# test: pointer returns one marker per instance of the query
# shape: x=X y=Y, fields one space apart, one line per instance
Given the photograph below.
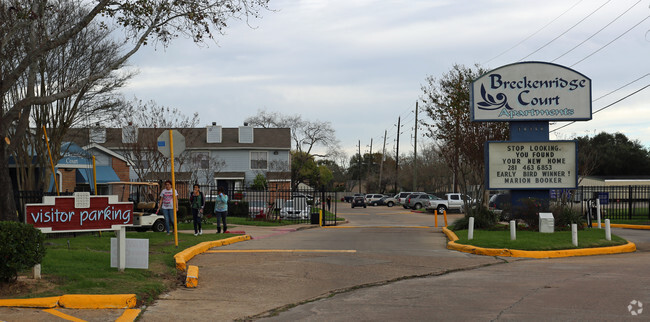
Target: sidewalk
x=256 y=232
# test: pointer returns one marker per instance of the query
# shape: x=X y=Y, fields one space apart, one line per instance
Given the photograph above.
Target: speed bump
x=85 y=301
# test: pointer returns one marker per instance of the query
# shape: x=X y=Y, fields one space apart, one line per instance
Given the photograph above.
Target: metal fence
x=617 y=202
x=299 y=206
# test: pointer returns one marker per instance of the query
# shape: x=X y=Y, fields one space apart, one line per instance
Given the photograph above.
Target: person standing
x=166 y=204
x=329 y=202
x=221 y=209
x=197 y=203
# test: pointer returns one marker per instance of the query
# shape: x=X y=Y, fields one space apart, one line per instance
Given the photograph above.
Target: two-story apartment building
x=214 y=155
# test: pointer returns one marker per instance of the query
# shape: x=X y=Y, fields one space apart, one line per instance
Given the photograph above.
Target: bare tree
x=461 y=142
x=25 y=41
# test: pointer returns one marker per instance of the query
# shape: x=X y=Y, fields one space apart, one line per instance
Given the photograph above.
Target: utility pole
x=359 y=166
x=415 y=150
x=383 y=153
x=369 y=162
x=397 y=157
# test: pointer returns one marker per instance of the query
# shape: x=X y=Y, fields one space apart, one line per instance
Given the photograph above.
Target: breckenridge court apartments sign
x=535 y=92
x=531 y=91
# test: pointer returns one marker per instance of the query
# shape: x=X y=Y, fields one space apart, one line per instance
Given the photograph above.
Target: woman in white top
x=166 y=203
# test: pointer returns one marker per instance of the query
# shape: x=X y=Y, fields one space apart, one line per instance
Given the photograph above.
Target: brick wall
x=121 y=169
x=68 y=179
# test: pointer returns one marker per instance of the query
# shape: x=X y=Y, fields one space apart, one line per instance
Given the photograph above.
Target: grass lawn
x=532 y=240
x=81 y=265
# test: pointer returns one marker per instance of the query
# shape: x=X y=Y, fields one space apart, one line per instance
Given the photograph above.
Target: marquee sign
x=80 y=212
x=531 y=165
x=531 y=91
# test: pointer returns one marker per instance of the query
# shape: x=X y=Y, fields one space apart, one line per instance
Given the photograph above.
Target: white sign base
x=136 y=253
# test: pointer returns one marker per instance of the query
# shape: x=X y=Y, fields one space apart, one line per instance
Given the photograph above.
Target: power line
x=562 y=34
x=613 y=40
x=605 y=107
x=597 y=32
x=533 y=34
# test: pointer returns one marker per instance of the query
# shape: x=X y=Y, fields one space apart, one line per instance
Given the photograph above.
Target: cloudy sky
x=360 y=64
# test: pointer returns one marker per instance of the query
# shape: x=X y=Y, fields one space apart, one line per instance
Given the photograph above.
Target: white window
x=201 y=160
x=259 y=160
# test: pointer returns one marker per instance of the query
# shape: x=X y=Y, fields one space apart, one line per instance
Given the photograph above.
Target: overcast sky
x=360 y=64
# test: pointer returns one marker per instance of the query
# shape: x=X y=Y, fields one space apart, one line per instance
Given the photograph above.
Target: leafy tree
x=461 y=142
x=615 y=155
x=26 y=38
x=259 y=183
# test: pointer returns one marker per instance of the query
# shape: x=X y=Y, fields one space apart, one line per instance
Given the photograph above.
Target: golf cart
x=143 y=195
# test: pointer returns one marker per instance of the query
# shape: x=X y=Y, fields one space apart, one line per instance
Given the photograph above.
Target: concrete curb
x=627 y=248
x=76 y=301
x=184 y=256
x=626 y=226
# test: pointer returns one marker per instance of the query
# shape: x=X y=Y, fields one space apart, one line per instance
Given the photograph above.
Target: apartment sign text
x=532 y=165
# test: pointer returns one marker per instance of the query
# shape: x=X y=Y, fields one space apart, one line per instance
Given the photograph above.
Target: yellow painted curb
x=626 y=226
x=627 y=248
x=192 y=279
x=129 y=315
x=86 y=301
x=44 y=302
x=184 y=256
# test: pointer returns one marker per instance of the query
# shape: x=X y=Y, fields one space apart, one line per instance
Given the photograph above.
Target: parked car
x=401 y=197
x=295 y=209
x=373 y=197
x=349 y=198
x=500 y=202
x=257 y=208
x=384 y=201
x=418 y=201
x=359 y=201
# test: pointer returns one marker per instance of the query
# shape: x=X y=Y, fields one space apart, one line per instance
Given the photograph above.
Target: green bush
x=529 y=211
x=564 y=216
x=483 y=218
x=238 y=208
x=21 y=247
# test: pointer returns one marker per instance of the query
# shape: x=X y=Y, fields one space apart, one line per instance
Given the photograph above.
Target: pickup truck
x=349 y=198
x=451 y=201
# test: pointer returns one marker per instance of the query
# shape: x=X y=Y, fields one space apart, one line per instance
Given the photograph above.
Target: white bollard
x=608 y=230
x=574 y=234
x=470 y=229
x=598 y=212
x=37 y=271
x=513 y=230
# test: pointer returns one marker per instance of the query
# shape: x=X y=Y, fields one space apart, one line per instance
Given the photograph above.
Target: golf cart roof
x=134 y=183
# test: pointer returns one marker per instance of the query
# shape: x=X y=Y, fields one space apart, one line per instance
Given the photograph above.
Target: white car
x=294 y=209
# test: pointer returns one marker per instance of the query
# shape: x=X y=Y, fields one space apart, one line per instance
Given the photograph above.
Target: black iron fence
x=617 y=202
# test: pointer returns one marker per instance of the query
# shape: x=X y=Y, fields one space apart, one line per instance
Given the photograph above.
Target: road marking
x=284 y=251
x=63 y=315
x=128 y=315
x=418 y=227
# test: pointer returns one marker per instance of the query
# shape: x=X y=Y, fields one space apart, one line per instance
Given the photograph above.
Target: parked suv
x=418 y=201
x=401 y=197
x=373 y=197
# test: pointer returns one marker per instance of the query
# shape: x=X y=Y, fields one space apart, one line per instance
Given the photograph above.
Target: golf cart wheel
x=158 y=226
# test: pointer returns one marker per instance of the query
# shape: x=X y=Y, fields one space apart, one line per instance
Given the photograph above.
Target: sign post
x=528 y=95
x=166 y=147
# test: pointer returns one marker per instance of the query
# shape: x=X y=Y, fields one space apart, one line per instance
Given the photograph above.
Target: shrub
x=21 y=247
x=529 y=211
x=564 y=216
x=238 y=208
x=483 y=218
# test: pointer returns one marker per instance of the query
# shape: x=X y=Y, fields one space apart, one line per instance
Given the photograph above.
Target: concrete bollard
x=37 y=271
x=444 y=214
x=470 y=229
x=608 y=230
x=435 y=213
x=513 y=230
x=598 y=213
x=574 y=234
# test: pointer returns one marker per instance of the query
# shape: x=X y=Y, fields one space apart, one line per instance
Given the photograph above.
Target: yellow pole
x=56 y=184
x=320 y=218
x=444 y=212
x=171 y=153
x=435 y=213
x=94 y=176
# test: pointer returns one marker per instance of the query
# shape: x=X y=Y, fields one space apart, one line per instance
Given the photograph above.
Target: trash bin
x=314 y=218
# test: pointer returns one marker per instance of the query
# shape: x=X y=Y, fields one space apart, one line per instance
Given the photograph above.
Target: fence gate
x=329 y=206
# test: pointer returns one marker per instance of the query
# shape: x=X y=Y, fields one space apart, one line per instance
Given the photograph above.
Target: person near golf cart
x=166 y=204
x=221 y=209
x=197 y=202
